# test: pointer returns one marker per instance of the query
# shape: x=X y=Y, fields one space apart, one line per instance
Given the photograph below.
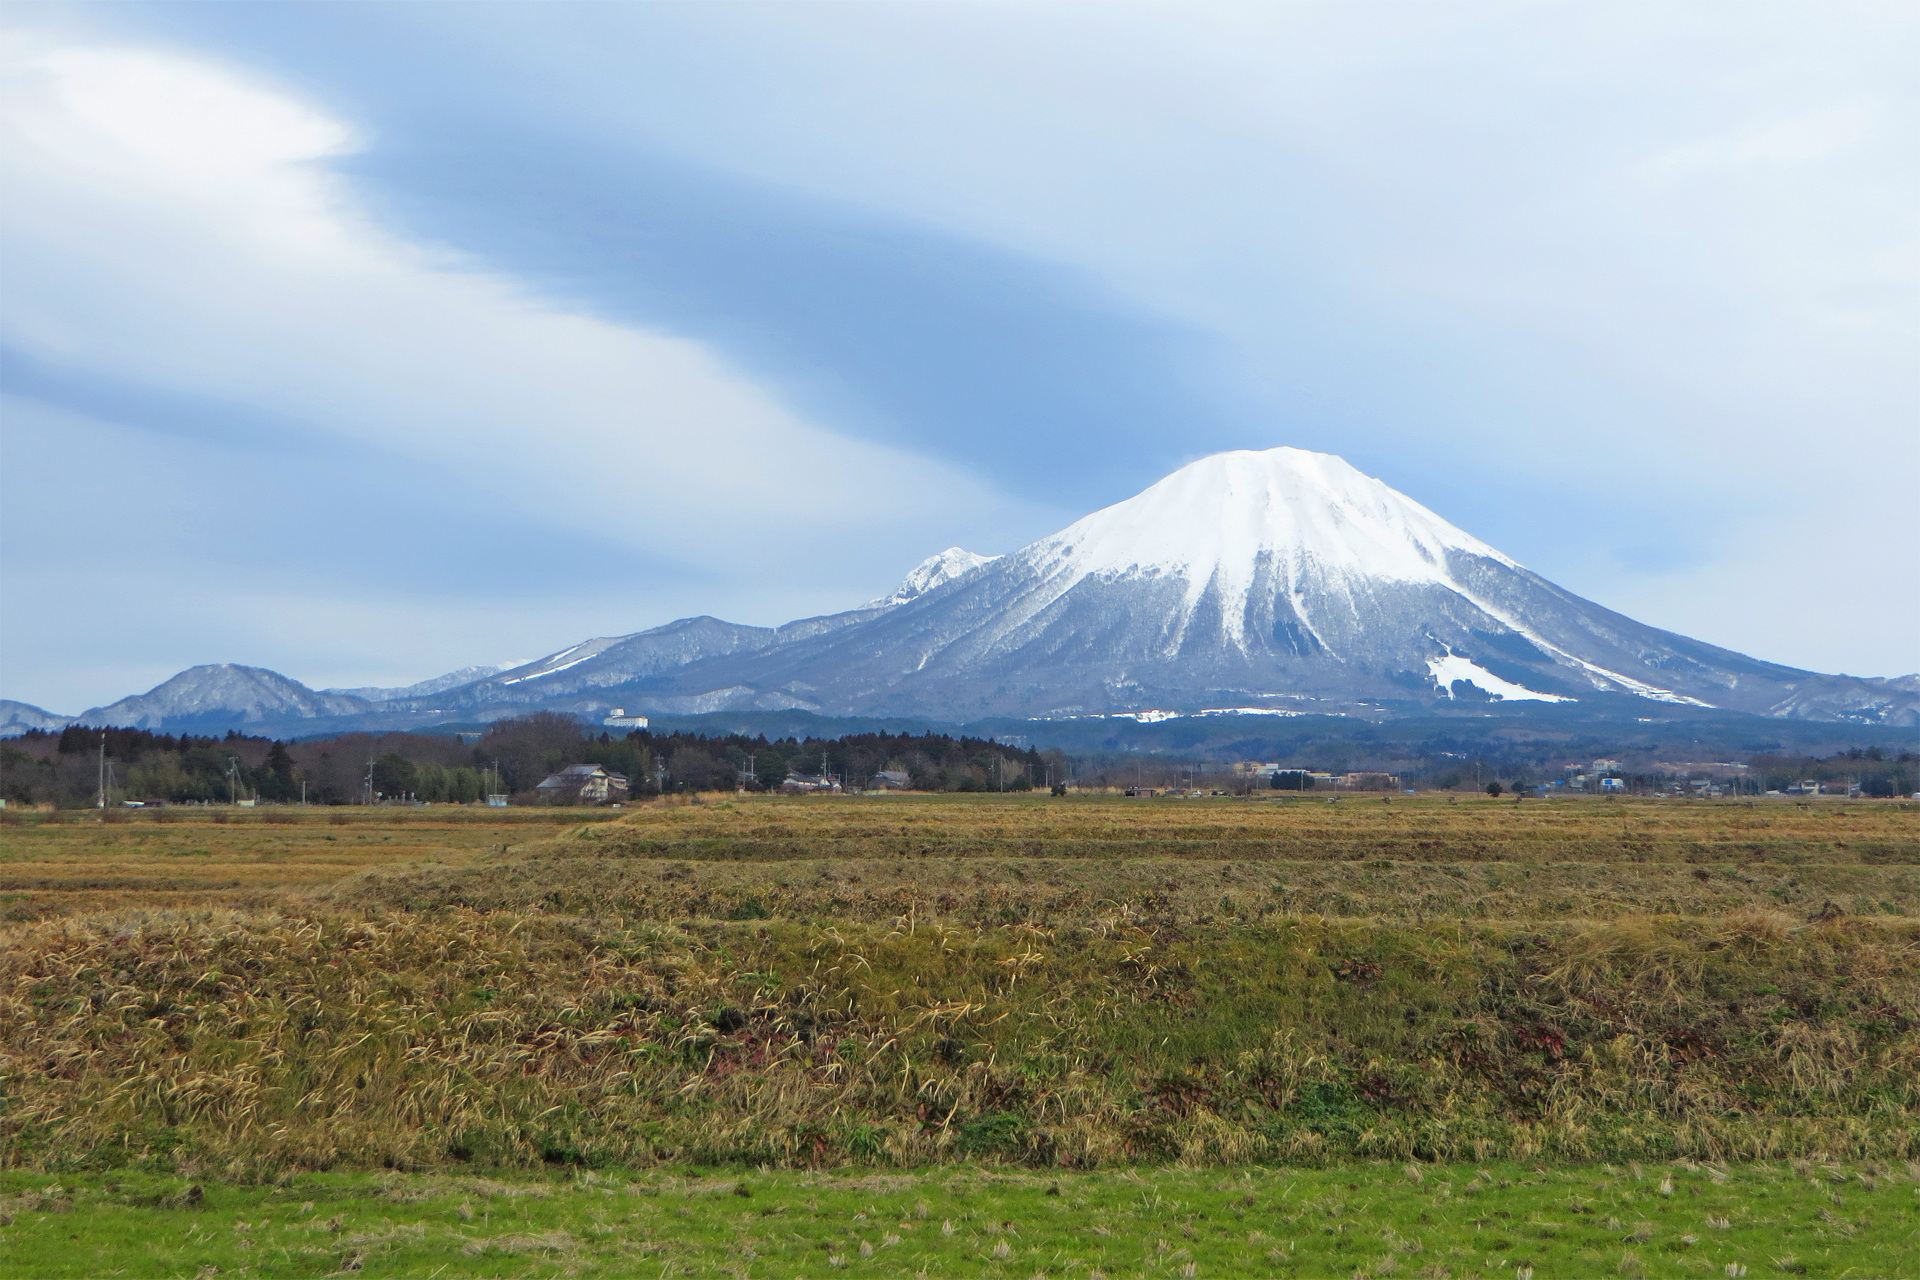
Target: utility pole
x=367 y=784
x=102 y=798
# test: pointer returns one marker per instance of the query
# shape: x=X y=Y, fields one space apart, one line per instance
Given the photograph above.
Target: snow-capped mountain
x=1278 y=581
x=236 y=695
x=1274 y=580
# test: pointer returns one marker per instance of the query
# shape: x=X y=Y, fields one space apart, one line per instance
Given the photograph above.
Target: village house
x=583 y=784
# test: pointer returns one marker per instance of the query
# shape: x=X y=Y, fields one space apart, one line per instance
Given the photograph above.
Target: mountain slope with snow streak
x=623 y=661
x=1281 y=581
x=1278 y=578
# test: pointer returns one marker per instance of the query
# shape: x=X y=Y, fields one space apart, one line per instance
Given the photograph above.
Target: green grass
x=1370 y=1220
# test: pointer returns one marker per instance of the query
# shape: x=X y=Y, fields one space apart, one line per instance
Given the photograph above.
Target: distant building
x=799 y=783
x=891 y=780
x=619 y=719
x=1370 y=782
x=584 y=784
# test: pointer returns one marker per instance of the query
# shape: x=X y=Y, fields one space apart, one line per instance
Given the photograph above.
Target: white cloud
x=240 y=269
x=172 y=225
x=1816 y=135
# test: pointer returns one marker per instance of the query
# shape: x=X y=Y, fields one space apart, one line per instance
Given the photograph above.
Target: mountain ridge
x=1275 y=581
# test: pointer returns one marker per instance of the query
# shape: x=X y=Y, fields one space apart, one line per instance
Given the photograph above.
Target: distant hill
x=439 y=684
x=236 y=696
x=18 y=717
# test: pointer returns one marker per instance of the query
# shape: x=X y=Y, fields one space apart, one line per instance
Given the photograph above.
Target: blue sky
x=366 y=341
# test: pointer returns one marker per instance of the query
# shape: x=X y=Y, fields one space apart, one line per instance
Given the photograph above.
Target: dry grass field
x=56 y=864
x=1000 y=860
x=1084 y=982
x=991 y=859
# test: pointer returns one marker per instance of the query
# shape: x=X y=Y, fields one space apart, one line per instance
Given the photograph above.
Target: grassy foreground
x=253 y=1043
x=1459 y=1222
x=1200 y=1020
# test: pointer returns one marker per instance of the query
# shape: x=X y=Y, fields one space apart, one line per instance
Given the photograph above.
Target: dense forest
x=511 y=758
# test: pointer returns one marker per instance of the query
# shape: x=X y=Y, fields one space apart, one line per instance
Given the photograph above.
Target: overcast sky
x=368 y=341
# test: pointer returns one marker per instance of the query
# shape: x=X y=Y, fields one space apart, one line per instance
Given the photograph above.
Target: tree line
x=511 y=758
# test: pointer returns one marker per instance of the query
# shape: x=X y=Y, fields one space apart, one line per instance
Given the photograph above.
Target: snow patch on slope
x=1159 y=716
x=1639 y=688
x=570 y=657
x=1454 y=667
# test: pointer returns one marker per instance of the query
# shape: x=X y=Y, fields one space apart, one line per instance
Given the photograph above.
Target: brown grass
x=997 y=860
x=184 y=857
x=684 y=984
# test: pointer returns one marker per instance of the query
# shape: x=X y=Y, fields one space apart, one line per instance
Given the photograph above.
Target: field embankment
x=642 y=992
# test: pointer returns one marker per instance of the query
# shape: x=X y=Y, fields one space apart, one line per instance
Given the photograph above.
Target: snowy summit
x=934 y=571
x=1307 y=520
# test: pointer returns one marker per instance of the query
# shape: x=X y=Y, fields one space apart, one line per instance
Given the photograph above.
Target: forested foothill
x=510 y=758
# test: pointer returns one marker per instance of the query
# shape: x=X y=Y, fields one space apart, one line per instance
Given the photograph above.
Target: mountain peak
x=1299 y=515
x=222 y=688
x=936 y=570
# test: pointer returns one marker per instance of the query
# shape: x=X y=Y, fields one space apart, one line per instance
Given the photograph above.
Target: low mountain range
x=1279 y=582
